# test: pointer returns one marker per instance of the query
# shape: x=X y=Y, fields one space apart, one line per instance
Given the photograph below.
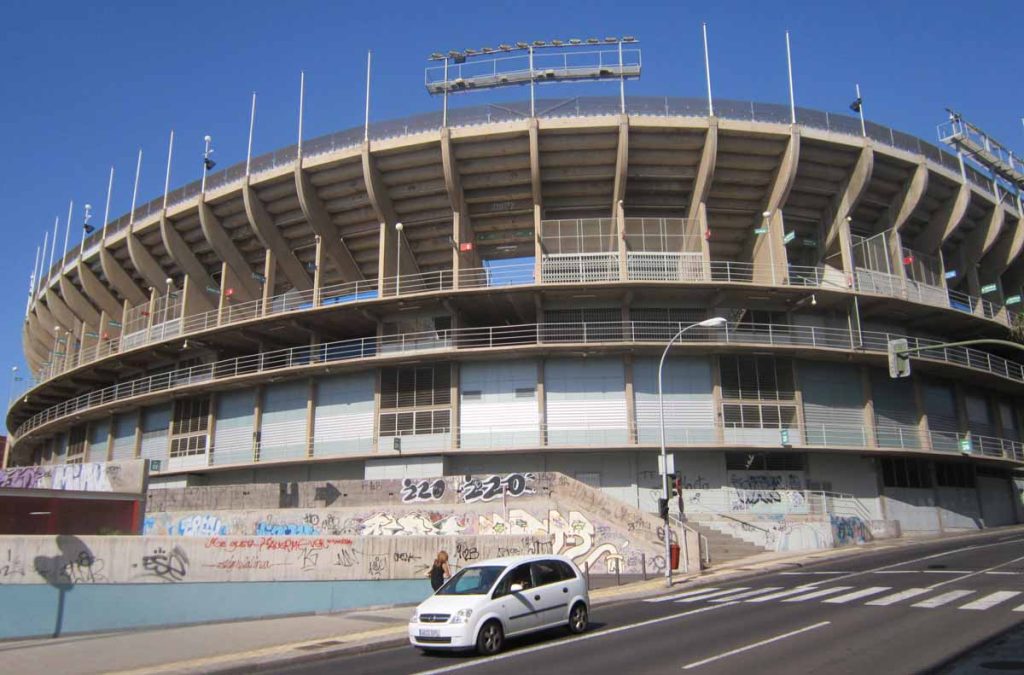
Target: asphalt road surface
x=907 y=610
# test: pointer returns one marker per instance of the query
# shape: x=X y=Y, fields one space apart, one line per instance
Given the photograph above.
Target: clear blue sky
x=87 y=83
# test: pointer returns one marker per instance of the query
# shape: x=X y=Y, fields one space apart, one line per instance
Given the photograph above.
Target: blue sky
x=87 y=84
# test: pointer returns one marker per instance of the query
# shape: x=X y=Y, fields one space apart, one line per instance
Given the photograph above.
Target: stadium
x=488 y=290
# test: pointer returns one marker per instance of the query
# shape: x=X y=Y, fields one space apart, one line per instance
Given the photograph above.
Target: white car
x=486 y=602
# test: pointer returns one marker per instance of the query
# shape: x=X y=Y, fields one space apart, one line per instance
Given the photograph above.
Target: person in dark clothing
x=439 y=571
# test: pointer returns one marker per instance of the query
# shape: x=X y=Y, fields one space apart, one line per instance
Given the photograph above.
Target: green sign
x=989 y=288
x=761 y=230
x=809 y=242
x=1013 y=300
x=785 y=436
x=115 y=324
x=790 y=236
x=965 y=444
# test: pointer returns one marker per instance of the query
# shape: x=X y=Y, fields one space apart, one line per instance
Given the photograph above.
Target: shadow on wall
x=75 y=564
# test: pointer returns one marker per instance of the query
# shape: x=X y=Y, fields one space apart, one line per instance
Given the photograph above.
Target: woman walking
x=439 y=571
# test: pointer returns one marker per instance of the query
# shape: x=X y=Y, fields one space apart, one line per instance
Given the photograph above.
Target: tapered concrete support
x=268 y=234
x=226 y=250
x=768 y=251
x=1006 y=250
x=910 y=197
x=462 y=227
x=270 y=279
x=320 y=222
x=77 y=302
x=182 y=254
x=381 y=204
x=119 y=279
x=97 y=292
x=145 y=264
x=838 y=244
x=706 y=172
x=621 y=167
x=538 y=197
x=944 y=222
x=973 y=248
x=64 y=316
x=196 y=299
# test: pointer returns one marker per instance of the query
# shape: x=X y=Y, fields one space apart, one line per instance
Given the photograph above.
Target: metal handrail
x=546 y=109
x=490 y=337
x=555 y=269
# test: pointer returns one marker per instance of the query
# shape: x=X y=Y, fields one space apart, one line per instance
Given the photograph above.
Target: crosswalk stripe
x=756 y=591
x=781 y=594
x=818 y=594
x=1019 y=609
x=939 y=600
x=990 y=600
x=899 y=597
x=667 y=598
x=863 y=593
x=728 y=591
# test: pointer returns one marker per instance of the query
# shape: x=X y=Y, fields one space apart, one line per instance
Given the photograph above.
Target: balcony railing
x=546 y=109
x=606 y=434
x=559 y=269
x=497 y=337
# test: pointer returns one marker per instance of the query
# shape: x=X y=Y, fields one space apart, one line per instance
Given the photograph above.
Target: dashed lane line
x=755 y=645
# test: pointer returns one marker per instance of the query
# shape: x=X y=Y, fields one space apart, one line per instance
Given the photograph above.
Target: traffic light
x=673 y=485
x=899 y=360
x=663 y=508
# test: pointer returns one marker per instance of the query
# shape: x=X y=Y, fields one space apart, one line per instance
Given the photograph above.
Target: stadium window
x=902 y=472
x=952 y=474
x=189 y=426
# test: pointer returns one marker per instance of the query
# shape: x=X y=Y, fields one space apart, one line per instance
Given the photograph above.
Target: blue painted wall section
x=101 y=607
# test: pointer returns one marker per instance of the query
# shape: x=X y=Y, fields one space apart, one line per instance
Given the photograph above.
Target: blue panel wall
x=104 y=607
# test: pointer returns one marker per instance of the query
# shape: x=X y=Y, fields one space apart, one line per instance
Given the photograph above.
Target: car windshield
x=471 y=581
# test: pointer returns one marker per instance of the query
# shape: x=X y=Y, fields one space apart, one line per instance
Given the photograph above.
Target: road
x=901 y=610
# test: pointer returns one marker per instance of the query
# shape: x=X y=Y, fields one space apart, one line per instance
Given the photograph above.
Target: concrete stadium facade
x=275 y=325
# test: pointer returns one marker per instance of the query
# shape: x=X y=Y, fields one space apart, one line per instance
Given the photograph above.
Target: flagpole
x=53 y=248
x=135 y=190
x=252 y=125
x=32 y=283
x=106 y=210
x=707 y=70
x=67 y=233
x=366 y=119
x=789 y=65
x=42 y=261
x=302 y=102
x=860 y=111
x=167 y=176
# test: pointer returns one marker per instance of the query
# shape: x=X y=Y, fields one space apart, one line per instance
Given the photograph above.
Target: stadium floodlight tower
x=540 y=61
x=968 y=139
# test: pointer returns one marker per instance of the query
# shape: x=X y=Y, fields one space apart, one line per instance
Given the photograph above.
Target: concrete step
x=724 y=547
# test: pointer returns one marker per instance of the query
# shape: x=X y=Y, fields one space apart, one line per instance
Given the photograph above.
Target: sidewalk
x=248 y=646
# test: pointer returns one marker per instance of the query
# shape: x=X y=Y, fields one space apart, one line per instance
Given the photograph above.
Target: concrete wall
x=121 y=477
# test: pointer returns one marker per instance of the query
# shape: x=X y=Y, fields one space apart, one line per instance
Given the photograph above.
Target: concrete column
x=137 y=450
x=963 y=421
x=456 y=404
x=620 y=227
x=376 y=405
x=630 y=401
x=924 y=430
x=542 y=403
x=269 y=280
x=257 y=423
x=109 y=455
x=716 y=399
x=869 y=408
x=318 y=272
x=538 y=248
x=310 y=417
x=798 y=399
x=211 y=429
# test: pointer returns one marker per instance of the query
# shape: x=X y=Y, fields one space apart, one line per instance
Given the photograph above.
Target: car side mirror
x=515 y=588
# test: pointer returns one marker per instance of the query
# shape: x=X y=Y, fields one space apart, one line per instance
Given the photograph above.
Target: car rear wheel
x=490 y=639
x=578 y=618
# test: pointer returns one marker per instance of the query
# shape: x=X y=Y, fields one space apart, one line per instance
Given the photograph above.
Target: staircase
x=722 y=547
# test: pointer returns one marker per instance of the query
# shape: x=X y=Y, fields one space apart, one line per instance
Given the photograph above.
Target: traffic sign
x=761 y=230
x=1013 y=300
x=989 y=288
x=790 y=236
x=951 y=274
x=671 y=464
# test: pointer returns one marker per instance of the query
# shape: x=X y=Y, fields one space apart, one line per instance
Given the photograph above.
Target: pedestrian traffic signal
x=899 y=359
x=663 y=508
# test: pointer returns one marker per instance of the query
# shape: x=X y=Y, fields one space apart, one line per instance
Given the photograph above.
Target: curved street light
x=706 y=323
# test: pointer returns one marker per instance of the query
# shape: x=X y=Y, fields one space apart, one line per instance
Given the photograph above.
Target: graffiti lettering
x=422 y=491
x=172 y=566
x=401 y=556
x=345 y=558
x=466 y=552
x=378 y=566
x=197 y=526
x=21 y=477
x=491 y=487
x=849 y=530
x=285 y=529
x=11 y=566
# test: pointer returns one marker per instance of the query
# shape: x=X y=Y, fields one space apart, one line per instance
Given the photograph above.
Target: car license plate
x=430 y=632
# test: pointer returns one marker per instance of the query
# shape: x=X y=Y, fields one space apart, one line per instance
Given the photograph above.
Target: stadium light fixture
x=207 y=151
x=593 y=41
x=89 y=229
x=575 y=41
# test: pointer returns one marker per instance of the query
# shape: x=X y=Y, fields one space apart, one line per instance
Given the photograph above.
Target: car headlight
x=461 y=616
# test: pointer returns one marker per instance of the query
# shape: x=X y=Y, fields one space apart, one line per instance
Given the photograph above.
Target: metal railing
x=497 y=337
x=555 y=269
x=546 y=109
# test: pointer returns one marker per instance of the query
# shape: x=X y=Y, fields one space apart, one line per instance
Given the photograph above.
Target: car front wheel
x=578 y=618
x=490 y=638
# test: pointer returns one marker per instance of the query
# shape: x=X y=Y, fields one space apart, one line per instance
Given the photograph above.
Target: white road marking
x=561 y=643
x=667 y=598
x=929 y=557
x=899 y=597
x=974 y=574
x=939 y=600
x=924 y=572
x=698 y=598
x=748 y=594
x=990 y=600
x=862 y=593
x=818 y=594
x=801 y=574
x=783 y=594
x=1019 y=609
x=755 y=645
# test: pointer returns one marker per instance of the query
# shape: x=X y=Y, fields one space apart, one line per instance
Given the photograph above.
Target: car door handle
x=536 y=597
x=565 y=590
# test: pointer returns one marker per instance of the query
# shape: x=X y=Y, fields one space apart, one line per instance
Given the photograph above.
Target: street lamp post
x=707 y=323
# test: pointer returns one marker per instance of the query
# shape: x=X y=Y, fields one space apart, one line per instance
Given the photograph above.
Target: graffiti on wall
x=574 y=537
x=776 y=533
x=492 y=487
x=383 y=524
x=849 y=530
x=85 y=477
x=423 y=490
